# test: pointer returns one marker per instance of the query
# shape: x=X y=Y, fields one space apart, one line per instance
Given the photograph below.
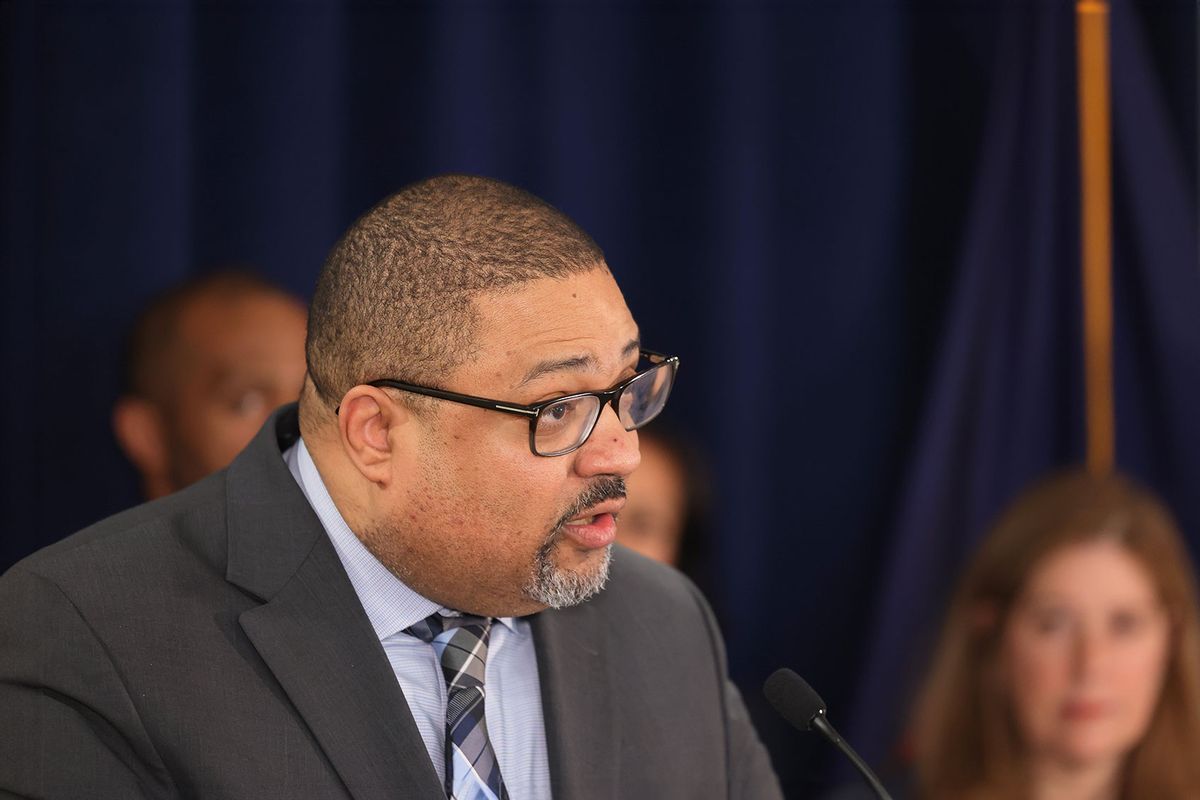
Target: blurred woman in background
x=1069 y=666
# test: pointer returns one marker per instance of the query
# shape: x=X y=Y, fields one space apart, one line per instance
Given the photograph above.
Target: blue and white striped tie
x=472 y=772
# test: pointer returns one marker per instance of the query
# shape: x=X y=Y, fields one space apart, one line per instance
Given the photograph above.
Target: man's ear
x=374 y=432
x=139 y=429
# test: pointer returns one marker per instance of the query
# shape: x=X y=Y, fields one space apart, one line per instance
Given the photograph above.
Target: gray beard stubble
x=560 y=588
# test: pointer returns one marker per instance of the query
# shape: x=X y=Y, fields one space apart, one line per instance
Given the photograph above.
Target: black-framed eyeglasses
x=561 y=425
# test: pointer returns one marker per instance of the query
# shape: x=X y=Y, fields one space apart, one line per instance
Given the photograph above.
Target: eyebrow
x=572 y=364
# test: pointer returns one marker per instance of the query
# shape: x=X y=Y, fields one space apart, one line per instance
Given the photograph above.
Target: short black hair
x=149 y=344
x=394 y=297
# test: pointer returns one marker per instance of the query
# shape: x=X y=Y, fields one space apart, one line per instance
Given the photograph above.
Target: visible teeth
x=583 y=521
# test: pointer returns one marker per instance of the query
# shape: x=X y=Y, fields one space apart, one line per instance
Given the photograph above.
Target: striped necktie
x=472 y=772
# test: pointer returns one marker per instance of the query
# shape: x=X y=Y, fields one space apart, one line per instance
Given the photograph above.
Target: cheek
x=1037 y=676
x=206 y=436
x=224 y=436
x=1043 y=666
x=651 y=531
x=497 y=492
x=1138 y=678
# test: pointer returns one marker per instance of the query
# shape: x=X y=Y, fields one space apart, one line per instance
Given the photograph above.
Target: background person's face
x=1085 y=650
x=653 y=518
x=238 y=359
x=477 y=504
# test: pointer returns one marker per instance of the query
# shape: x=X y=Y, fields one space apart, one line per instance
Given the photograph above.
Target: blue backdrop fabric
x=1004 y=399
x=855 y=221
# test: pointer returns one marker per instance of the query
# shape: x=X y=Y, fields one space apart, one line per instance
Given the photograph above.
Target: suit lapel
x=312 y=631
x=577 y=702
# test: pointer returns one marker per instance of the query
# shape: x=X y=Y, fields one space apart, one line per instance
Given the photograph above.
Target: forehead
x=251 y=317
x=250 y=331
x=1097 y=571
x=581 y=320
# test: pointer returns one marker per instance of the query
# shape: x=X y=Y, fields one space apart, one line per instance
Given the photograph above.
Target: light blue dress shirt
x=514 y=701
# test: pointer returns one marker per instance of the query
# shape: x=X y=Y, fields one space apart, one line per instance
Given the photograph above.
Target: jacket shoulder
x=188 y=523
x=639 y=581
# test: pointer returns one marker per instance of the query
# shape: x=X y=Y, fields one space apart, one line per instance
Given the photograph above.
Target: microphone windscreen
x=793 y=698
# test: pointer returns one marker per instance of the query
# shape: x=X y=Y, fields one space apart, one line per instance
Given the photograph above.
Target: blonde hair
x=965 y=742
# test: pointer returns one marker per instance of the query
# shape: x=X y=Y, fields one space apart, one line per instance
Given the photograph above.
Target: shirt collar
x=390 y=604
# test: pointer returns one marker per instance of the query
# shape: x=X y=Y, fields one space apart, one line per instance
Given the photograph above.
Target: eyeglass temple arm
x=478 y=402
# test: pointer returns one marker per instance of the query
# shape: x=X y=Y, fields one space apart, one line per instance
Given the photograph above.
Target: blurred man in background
x=205 y=364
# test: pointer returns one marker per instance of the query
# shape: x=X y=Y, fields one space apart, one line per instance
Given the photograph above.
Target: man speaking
x=406 y=587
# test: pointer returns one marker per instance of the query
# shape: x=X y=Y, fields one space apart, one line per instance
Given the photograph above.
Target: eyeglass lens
x=563 y=426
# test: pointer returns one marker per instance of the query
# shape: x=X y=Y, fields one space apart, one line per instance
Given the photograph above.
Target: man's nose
x=610 y=450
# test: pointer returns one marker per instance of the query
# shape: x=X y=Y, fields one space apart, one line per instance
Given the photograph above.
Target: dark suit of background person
x=211 y=644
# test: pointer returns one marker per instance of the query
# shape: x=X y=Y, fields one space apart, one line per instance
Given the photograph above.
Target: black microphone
x=799 y=704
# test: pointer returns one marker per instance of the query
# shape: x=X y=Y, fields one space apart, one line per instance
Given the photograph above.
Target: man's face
x=486 y=526
x=237 y=359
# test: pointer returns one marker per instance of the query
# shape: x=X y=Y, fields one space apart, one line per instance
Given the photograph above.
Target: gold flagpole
x=1095 y=158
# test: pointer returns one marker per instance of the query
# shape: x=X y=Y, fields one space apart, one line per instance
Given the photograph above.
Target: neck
x=1053 y=780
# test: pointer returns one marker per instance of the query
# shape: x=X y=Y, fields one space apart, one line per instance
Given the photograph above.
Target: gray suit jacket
x=210 y=645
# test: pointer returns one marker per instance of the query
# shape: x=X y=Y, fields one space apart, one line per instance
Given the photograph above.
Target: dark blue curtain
x=1005 y=401
x=855 y=220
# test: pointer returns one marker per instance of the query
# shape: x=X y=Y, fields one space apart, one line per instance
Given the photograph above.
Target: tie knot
x=461 y=644
x=436 y=625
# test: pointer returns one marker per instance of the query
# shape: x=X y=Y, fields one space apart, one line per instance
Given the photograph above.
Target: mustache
x=610 y=487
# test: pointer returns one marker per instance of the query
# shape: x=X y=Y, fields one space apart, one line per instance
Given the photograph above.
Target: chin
x=1091 y=748
x=554 y=585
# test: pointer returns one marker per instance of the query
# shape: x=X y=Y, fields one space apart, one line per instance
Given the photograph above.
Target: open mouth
x=592 y=531
x=593 y=521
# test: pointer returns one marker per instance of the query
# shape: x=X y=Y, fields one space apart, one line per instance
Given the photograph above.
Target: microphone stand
x=822 y=724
